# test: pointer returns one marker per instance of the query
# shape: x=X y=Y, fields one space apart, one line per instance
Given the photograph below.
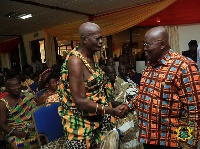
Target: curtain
x=23 y=57
x=9 y=46
x=198 y=57
x=173 y=37
x=50 y=50
x=181 y=12
x=5 y=60
x=112 y=23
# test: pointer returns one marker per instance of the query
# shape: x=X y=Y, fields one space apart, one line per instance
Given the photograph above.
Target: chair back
x=47 y=122
x=34 y=87
x=39 y=93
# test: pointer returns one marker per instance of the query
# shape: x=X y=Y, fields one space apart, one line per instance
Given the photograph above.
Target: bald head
x=88 y=28
x=158 y=33
x=156 y=43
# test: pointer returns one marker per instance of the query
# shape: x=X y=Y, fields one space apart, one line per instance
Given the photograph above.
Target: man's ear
x=84 y=39
x=163 y=44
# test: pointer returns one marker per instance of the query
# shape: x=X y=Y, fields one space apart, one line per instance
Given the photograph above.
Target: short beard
x=16 y=95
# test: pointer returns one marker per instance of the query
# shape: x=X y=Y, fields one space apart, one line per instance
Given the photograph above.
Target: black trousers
x=150 y=146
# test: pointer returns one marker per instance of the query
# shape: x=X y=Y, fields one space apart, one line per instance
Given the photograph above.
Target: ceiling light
x=18 y=15
x=25 y=16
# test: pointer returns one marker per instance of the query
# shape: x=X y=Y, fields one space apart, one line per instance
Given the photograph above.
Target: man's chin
x=98 y=48
x=16 y=95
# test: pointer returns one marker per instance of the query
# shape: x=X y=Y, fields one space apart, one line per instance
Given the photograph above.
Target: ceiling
x=49 y=13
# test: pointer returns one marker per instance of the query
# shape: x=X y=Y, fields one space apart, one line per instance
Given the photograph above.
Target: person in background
x=192 y=52
x=111 y=73
x=85 y=109
x=15 y=112
x=50 y=95
x=125 y=91
x=168 y=98
x=26 y=79
x=37 y=65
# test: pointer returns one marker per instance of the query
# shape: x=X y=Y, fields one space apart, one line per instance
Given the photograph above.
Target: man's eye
x=98 y=38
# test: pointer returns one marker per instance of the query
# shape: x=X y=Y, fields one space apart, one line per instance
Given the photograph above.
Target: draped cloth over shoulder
x=82 y=125
x=19 y=118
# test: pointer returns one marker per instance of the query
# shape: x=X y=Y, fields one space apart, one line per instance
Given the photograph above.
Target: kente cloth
x=52 y=98
x=168 y=102
x=82 y=125
x=128 y=126
x=19 y=118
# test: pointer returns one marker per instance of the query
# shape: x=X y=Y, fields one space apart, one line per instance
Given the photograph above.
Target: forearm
x=12 y=131
x=93 y=107
x=115 y=103
x=5 y=128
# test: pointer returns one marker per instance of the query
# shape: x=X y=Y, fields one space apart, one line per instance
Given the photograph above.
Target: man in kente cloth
x=85 y=109
x=15 y=112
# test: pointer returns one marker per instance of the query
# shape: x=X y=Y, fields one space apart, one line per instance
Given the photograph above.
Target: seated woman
x=50 y=95
x=15 y=111
x=41 y=88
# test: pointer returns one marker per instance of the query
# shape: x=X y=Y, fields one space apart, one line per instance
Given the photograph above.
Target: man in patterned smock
x=169 y=94
x=85 y=109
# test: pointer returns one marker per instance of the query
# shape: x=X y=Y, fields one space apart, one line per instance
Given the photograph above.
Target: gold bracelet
x=102 y=109
x=9 y=133
x=96 y=108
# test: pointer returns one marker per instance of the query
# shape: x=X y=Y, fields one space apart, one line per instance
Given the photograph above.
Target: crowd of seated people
x=21 y=93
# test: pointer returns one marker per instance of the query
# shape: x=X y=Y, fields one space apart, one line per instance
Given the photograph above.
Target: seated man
x=15 y=111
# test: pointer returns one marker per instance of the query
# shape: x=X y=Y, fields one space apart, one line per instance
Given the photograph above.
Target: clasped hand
x=121 y=111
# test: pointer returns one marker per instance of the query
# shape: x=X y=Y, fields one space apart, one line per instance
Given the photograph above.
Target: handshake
x=122 y=110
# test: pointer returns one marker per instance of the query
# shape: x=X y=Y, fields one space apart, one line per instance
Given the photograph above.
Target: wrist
x=11 y=132
x=109 y=110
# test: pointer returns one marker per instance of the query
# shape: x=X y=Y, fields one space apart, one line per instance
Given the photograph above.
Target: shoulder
x=180 y=59
x=74 y=60
x=44 y=95
x=184 y=63
x=74 y=63
x=2 y=104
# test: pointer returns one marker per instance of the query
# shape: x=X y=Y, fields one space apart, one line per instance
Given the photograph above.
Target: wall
x=27 y=43
x=187 y=33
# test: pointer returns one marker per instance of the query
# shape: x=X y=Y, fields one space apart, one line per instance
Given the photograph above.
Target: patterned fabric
x=198 y=56
x=168 y=101
x=81 y=125
x=52 y=98
x=19 y=118
x=74 y=144
x=129 y=129
x=59 y=143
